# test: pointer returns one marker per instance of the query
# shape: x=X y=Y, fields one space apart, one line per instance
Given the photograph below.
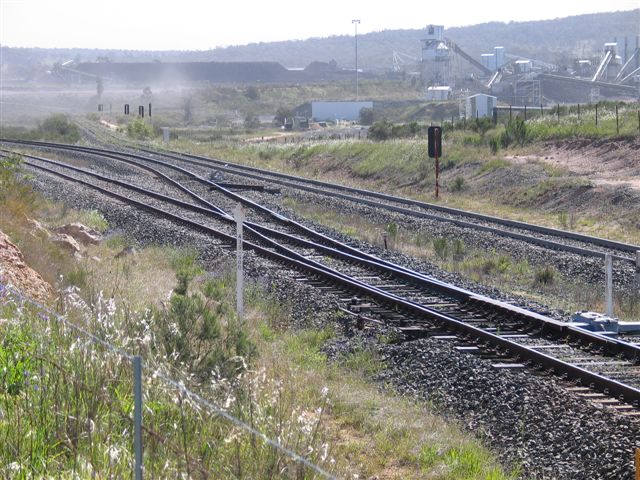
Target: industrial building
x=516 y=80
x=332 y=111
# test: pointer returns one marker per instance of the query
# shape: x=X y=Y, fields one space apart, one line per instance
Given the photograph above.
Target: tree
x=366 y=116
x=251 y=122
x=252 y=93
x=281 y=114
x=380 y=130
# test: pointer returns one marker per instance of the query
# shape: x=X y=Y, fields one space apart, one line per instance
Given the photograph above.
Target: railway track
x=550 y=238
x=371 y=288
x=536 y=234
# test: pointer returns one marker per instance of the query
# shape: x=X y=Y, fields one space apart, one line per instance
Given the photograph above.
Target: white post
x=608 y=265
x=638 y=269
x=238 y=215
x=165 y=134
x=137 y=415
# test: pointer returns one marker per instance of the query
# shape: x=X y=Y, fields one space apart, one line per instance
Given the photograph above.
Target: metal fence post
x=238 y=214
x=137 y=415
x=608 y=266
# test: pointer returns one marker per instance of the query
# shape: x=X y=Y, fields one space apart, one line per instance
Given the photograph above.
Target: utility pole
x=355 y=24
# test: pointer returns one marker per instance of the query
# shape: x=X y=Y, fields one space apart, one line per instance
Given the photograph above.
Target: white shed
x=480 y=105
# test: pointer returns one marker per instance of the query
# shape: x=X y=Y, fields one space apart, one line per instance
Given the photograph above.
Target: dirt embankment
x=15 y=272
x=603 y=162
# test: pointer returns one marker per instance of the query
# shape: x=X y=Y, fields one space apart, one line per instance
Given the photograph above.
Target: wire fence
x=75 y=405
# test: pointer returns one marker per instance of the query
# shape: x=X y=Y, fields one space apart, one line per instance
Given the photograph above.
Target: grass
x=374 y=432
x=572 y=125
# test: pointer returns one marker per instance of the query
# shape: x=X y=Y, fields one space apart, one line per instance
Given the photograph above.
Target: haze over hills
x=558 y=41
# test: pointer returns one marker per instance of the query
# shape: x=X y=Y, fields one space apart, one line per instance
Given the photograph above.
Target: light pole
x=355 y=24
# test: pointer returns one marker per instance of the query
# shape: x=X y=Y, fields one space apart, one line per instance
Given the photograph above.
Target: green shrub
x=441 y=247
x=9 y=168
x=380 y=130
x=57 y=127
x=458 y=249
x=544 y=276
x=17 y=359
x=193 y=330
x=481 y=126
x=494 y=145
x=516 y=132
x=563 y=219
x=392 y=230
x=458 y=184
x=139 y=129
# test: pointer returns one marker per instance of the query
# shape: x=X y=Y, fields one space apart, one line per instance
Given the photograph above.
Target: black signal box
x=434 y=135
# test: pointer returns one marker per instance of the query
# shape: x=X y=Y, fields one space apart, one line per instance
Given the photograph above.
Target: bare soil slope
x=604 y=162
x=15 y=272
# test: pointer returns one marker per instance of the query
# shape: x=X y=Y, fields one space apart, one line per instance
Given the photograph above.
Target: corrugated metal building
x=331 y=111
x=480 y=105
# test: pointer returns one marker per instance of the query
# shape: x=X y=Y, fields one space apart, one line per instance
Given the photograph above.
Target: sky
x=206 y=24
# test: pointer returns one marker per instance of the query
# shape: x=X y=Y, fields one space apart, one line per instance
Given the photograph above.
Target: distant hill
x=558 y=41
x=548 y=40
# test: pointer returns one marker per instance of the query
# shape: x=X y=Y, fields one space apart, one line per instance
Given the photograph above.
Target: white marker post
x=238 y=215
x=608 y=266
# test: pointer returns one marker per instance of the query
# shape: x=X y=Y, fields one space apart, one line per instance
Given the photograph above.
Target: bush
x=458 y=249
x=139 y=130
x=458 y=184
x=515 y=132
x=544 y=276
x=366 y=116
x=380 y=131
x=481 y=126
x=392 y=230
x=494 y=145
x=9 y=169
x=57 y=127
x=192 y=330
x=252 y=93
x=385 y=130
x=441 y=247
